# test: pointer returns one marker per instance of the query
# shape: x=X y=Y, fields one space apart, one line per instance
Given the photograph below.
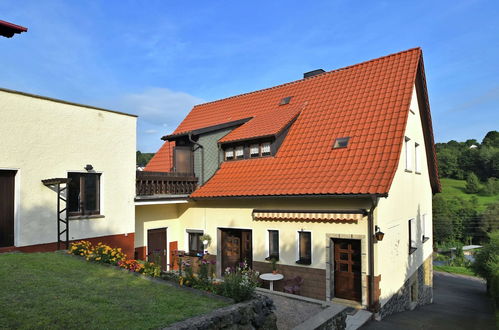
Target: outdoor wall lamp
x=378 y=234
x=88 y=167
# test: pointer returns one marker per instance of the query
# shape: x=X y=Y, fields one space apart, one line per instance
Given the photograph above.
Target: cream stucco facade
x=43 y=138
x=410 y=197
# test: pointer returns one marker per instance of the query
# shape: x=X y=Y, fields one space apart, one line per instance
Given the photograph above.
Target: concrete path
x=292 y=312
x=459 y=302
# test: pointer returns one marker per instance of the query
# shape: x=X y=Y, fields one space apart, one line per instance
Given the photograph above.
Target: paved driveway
x=459 y=302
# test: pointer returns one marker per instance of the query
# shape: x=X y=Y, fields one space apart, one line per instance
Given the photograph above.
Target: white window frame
x=417 y=158
x=252 y=146
x=311 y=246
x=265 y=145
x=424 y=227
x=239 y=151
x=267 y=242
x=412 y=231
x=408 y=154
x=227 y=152
x=186 y=240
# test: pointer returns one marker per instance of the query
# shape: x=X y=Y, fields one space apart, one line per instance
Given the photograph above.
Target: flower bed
x=239 y=283
x=102 y=253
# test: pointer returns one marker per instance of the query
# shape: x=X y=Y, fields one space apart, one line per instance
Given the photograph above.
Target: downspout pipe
x=202 y=157
x=370 y=231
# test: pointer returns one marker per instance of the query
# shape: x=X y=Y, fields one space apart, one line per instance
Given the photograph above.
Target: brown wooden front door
x=156 y=246
x=236 y=248
x=7 y=188
x=347 y=269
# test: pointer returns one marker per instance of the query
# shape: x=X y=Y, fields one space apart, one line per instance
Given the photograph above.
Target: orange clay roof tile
x=368 y=102
x=162 y=161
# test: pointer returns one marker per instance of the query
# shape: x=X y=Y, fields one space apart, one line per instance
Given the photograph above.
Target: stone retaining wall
x=253 y=314
x=333 y=317
x=417 y=291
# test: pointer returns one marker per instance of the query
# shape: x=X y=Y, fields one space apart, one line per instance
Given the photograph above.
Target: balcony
x=160 y=185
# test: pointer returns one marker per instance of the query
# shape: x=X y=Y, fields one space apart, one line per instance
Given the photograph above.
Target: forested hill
x=467 y=210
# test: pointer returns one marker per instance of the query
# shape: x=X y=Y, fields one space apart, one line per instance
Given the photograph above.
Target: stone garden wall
x=253 y=314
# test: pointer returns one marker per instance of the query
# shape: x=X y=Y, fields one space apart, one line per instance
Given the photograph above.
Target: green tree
x=491 y=139
x=143 y=158
x=472 y=184
x=490 y=218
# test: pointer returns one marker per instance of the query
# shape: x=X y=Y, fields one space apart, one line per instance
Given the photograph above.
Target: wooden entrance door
x=236 y=247
x=7 y=188
x=231 y=249
x=156 y=246
x=347 y=269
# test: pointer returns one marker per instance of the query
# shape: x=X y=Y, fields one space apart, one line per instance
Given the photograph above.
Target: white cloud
x=160 y=106
x=160 y=110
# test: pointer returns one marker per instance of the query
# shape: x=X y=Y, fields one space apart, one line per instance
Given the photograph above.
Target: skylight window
x=285 y=100
x=341 y=142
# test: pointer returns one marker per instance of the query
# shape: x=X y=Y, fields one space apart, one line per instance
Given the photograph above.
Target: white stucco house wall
x=43 y=138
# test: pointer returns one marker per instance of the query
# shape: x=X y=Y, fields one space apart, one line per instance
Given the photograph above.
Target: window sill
x=425 y=239
x=408 y=171
x=269 y=258
x=86 y=217
x=419 y=173
x=412 y=250
x=303 y=262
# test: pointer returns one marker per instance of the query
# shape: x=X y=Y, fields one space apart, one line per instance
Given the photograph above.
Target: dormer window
x=254 y=150
x=266 y=149
x=341 y=142
x=239 y=152
x=229 y=154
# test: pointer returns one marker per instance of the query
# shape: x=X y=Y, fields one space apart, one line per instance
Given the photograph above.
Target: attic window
x=341 y=142
x=285 y=100
x=239 y=152
x=229 y=154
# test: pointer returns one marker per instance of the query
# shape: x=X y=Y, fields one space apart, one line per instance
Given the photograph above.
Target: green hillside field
x=455 y=188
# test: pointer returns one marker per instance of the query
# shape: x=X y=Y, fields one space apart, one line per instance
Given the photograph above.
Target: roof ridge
x=303 y=79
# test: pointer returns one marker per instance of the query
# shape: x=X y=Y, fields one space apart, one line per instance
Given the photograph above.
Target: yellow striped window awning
x=286 y=215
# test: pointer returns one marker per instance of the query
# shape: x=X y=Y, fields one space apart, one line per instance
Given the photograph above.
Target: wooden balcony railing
x=164 y=183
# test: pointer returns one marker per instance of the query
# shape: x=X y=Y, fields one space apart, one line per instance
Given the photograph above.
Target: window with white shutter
x=254 y=150
x=239 y=152
x=229 y=154
x=266 y=149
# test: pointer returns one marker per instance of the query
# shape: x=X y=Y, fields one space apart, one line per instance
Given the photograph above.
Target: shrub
x=472 y=184
x=151 y=269
x=240 y=283
x=491 y=187
x=487 y=265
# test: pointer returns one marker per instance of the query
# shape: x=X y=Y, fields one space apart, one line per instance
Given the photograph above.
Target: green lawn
x=454 y=270
x=455 y=188
x=57 y=291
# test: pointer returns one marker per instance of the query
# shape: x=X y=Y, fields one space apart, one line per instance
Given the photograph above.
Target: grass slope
x=57 y=291
x=455 y=188
x=454 y=270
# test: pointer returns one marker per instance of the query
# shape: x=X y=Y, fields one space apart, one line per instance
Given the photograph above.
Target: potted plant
x=206 y=240
x=273 y=262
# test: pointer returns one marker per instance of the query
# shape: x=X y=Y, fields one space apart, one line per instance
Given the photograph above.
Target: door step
x=358 y=319
x=346 y=302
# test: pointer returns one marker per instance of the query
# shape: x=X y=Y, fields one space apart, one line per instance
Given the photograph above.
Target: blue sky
x=159 y=58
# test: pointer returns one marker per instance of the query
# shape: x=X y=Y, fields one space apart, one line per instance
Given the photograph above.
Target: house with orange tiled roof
x=332 y=175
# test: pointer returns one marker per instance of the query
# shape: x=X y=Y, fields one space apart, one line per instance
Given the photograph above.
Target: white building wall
x=410 y=197
x=44 y=139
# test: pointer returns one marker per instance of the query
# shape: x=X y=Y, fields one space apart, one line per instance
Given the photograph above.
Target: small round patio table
x=271 y=278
